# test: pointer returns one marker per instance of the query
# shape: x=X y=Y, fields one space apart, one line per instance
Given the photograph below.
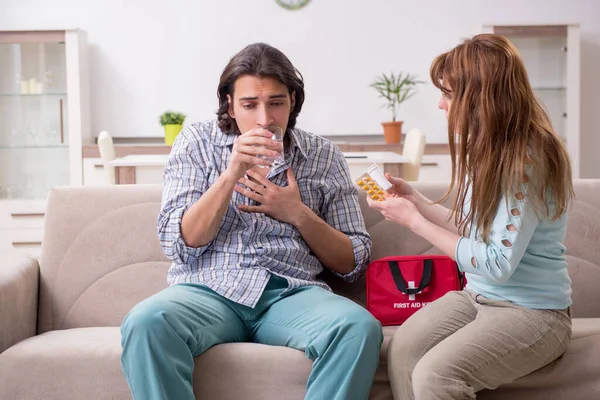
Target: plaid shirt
x=249 y=247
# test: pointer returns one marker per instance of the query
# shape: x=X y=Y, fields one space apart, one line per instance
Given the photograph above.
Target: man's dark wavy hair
x=260 y=60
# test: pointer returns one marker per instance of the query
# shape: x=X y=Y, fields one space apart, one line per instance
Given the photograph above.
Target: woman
x=512 y=185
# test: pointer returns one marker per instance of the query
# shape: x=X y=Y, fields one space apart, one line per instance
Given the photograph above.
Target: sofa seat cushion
x=81 y=363
x=84 y=363
x=573 y=376
x=583 y=327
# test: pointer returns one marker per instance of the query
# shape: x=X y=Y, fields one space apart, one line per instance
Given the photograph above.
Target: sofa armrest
x=19 y=281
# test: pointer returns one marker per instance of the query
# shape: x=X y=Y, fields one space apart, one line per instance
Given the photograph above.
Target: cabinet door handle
x=62 y=130
x=17 y=244
x=26 y=215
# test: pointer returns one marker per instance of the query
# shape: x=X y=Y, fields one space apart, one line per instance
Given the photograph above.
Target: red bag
x=399 y=286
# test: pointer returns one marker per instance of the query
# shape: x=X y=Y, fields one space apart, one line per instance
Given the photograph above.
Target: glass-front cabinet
x=551 y=54
x=43 y=124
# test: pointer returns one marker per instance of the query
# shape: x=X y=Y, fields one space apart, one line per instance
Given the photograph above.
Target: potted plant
x=173 y=123
x=395 y=89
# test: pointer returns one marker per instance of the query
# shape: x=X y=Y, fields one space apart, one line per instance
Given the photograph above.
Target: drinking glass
x=279 y=159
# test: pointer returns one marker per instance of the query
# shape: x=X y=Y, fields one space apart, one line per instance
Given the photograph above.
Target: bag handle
x=399 y=279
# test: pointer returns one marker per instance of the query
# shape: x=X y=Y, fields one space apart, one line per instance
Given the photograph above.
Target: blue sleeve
x=510 y=235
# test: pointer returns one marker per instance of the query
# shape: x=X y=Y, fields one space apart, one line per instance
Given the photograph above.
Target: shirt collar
x=299 y=139
x=221 y=138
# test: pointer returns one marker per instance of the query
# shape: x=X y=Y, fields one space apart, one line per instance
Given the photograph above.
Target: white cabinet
x=44 y=122
x=551 y=54
x=93 y=172
x=436 y=168
x=22 y=225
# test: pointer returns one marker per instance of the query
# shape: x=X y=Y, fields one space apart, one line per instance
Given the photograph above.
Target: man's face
x=260 y=102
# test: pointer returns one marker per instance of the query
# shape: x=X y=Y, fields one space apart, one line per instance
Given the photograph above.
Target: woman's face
x=445 y=103
x=446 y=99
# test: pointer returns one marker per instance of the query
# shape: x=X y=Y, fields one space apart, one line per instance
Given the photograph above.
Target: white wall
x=150 y=55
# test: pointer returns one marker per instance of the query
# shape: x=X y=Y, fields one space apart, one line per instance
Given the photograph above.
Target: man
x=248 y=241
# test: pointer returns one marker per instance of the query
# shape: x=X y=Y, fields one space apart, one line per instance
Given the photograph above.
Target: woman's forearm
x=437 y=214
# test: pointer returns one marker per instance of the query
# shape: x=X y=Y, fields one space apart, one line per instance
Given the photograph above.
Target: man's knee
x=145 y=318
x=359 y=323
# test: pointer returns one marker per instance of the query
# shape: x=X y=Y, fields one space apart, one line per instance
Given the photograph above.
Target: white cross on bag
x=411 y=285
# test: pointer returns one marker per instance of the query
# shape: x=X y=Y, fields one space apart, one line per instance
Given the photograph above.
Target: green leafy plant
x=396 y=89
x=171 y=118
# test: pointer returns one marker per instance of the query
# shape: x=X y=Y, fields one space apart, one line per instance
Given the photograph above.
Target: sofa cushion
x=85 y=363
x=100 y=255
x=582 y=327
x=574 y=375
x=586 y=296
x=70 y=364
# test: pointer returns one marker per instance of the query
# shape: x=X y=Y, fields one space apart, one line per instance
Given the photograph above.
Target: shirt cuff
x=361 y=258
x=185 y=252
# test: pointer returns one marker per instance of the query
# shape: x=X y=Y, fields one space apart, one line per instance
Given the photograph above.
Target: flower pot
x=171 y=131
x=392 y=131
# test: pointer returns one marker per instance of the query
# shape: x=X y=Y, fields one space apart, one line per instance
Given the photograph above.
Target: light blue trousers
x=162 y=335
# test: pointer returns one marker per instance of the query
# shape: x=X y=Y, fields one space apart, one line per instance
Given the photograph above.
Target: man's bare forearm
x=201 y=221
x=332 y=247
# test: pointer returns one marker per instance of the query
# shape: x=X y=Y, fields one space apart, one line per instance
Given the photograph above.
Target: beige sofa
x=59 y=318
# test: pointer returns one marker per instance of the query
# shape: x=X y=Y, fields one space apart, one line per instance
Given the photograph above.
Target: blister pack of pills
x=374 y=182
